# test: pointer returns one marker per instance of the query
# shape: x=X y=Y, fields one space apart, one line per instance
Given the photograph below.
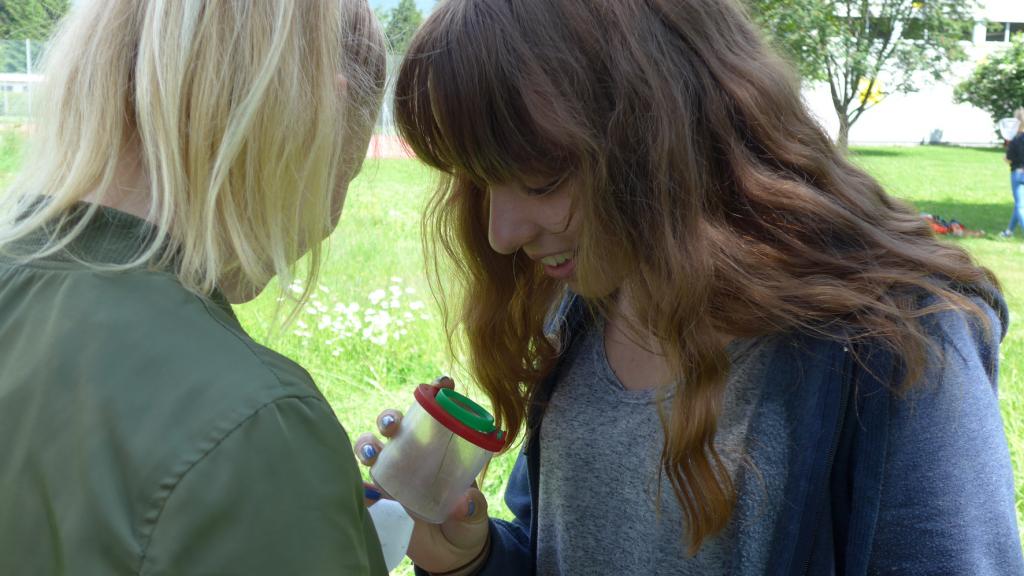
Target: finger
x=371 y=494
x=471 y=508
x=442 y=547
x=367 y=448
x=389 y=422
x=466 y=526
x=445 y=382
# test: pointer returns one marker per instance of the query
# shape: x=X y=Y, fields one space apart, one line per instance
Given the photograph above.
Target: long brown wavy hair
x=700 y=180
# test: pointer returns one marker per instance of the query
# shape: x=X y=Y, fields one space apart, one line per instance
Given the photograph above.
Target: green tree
x=867 y=49
x=30 y=19
x=997 y=83
x=382 y=16
x=24 y=21
x=402 y=23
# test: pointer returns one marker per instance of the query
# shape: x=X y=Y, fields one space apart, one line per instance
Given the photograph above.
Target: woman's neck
x=130 y=190
x=633 y=353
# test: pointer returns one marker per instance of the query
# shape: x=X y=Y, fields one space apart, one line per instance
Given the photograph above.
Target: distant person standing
x=1015 y=157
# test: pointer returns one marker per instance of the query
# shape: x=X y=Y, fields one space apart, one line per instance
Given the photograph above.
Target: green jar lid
x=465 y=410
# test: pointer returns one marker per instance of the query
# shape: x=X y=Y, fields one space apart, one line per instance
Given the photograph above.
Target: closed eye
x=547 y=188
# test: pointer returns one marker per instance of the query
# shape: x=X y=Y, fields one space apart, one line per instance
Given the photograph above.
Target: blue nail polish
x=369 y=451
x=387 y=420
x=371 y=494
x=471 y=508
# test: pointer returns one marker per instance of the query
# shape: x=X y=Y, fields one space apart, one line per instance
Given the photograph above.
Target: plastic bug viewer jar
x=443 y=444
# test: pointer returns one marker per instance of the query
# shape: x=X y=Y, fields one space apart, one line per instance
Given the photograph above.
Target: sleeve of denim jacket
x=279 y=494
x=510 y=541
x=947 y=496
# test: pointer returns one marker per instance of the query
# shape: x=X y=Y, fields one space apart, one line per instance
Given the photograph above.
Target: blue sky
x=423 y=5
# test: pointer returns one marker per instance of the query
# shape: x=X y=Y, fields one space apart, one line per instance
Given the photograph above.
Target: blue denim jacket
x=877 y=484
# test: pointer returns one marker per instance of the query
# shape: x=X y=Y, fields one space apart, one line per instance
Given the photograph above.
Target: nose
x=510 y=223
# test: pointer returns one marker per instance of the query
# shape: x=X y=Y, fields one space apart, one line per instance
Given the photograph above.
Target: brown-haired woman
x=732 y=351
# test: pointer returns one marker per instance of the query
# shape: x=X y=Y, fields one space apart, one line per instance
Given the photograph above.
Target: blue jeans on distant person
x=1017 y=184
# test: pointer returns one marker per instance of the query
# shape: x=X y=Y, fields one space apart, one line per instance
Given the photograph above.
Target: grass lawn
x=373 y=331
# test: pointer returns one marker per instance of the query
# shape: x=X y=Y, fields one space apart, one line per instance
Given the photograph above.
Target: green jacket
x=143 y=432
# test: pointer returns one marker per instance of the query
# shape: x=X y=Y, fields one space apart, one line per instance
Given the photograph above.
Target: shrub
x=997 y=83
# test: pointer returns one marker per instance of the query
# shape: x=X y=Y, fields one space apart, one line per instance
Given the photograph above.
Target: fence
x=19 y=63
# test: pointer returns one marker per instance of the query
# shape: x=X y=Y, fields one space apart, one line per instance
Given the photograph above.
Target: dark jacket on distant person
x=1015 y=152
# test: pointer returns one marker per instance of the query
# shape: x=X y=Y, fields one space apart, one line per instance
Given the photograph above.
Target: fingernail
x=386 y=421
x=471 y=508
x=368 y=451
x=371 y=494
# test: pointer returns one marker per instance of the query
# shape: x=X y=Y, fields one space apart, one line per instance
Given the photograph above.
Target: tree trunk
x=843 y=138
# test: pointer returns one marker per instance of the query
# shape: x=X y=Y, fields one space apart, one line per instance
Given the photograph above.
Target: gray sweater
x=604 y=508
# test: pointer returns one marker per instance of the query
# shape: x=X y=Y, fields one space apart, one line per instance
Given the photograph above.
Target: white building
x=930 y=115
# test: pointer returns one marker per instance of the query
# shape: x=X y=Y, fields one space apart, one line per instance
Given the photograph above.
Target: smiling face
x=540 y=217
x=537 y=217
x=502 y=125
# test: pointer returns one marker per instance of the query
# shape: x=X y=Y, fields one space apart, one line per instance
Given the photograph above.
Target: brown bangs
x=472 y=102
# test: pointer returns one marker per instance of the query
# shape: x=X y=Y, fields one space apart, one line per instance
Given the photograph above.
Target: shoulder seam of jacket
x=162 y=500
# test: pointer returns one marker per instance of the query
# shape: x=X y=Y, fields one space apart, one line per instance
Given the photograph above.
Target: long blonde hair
x=237 y=112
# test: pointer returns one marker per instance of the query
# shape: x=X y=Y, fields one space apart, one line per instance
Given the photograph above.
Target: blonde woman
x=187 y=152
x=1015 y=158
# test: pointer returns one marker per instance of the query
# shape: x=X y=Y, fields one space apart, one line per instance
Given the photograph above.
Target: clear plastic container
x=443 y=444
